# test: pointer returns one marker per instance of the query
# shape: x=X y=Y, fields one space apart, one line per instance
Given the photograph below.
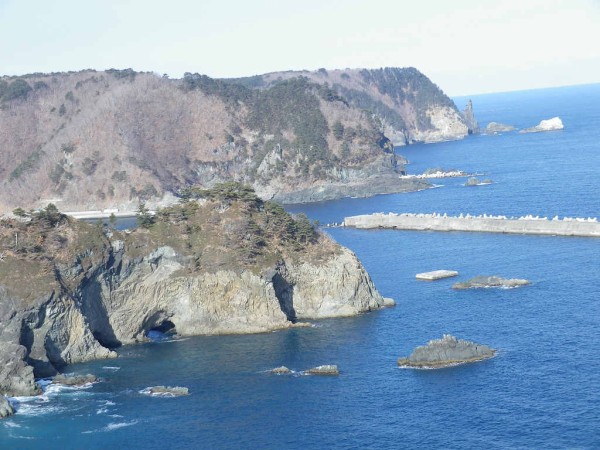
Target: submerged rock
x=445 y=352
x=328 y=369
x=167 y=391
x=75 y=380
x=280 y=371
x=491 y=282
x=6 y=408
x=496 y=127
x=545 y=125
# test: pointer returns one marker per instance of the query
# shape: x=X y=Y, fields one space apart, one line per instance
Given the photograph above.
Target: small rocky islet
x=74 y=380
x=483 y=282
x=166 y=391
x=324 y=370
x=446 y=352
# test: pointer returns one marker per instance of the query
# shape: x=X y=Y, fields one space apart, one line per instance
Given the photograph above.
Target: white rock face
x=448 y=125
x=545 y=125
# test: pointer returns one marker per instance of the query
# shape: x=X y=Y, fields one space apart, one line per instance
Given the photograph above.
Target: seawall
x=489 y=224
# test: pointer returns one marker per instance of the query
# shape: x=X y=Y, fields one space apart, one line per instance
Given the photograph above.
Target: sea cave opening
x=165 y=330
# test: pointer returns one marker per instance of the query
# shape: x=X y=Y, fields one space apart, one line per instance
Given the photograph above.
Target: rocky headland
x=545 y=125
x=482 y=282
x=222 y=262
x=446 y=352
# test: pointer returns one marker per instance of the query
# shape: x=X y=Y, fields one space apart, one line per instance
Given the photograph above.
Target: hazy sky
x=465 y=46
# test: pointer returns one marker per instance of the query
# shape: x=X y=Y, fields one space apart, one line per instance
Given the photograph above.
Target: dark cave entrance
x=163 y=331
x=166 y=327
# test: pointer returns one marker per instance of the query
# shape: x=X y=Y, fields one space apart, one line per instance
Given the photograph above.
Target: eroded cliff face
x=87 y=290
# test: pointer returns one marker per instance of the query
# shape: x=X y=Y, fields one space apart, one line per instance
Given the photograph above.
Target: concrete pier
x=586 y=227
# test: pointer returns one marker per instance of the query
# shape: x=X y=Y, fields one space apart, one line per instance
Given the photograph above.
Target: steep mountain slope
x=90 y=140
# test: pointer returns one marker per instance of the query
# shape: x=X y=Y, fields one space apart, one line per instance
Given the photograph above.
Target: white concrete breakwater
x=587 y=227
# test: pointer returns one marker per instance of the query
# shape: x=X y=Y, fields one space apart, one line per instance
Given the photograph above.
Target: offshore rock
x=75 y=380
x=167 y=391
x=491 y=282
x=446 y=352
x=545 y=125
x=282 y=370
x=496 y=127
x=6 y=408
x=328 y=369
x=470 y=119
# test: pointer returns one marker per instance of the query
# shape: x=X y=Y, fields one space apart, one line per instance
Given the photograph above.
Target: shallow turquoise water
x=541 y=391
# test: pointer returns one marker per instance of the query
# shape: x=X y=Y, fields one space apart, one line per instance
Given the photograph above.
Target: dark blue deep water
x=541 y=391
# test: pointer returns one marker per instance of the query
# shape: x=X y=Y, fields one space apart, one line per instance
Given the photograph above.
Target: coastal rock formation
x=75 y=380
x=328 y=369
x=408 y=106
x=496 y=127
x=167 y=391
x=282 y=370
x=545 y=125
x=225 y=263
x=490 y=282
x=470 y=119
x=474 y=181
x=6 y=408
x=445 y=352
x=98 y=140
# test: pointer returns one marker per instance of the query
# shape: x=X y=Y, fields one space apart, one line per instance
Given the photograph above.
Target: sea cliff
x=222 y=262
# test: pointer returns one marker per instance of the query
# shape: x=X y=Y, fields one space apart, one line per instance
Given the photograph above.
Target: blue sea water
x=541 y=391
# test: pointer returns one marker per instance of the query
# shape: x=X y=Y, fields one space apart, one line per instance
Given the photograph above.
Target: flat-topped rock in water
x=474 y=181
x=280 y=371
x=436 y=275
x=167 y=391
x=75 y=380
x=496 y=127
x=445 y=352
x=491 y=282
x=328 y=369
x=6 y=408
x=545 y=125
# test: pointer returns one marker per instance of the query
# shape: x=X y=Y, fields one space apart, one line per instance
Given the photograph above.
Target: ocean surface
x=541 y=391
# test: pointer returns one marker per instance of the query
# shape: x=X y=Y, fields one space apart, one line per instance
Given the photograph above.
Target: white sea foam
x=111 y=426
x=37 y=409
x=117 y=425
x=113 y=368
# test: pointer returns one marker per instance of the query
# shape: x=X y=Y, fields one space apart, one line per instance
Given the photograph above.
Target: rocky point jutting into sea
x=221 y=262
